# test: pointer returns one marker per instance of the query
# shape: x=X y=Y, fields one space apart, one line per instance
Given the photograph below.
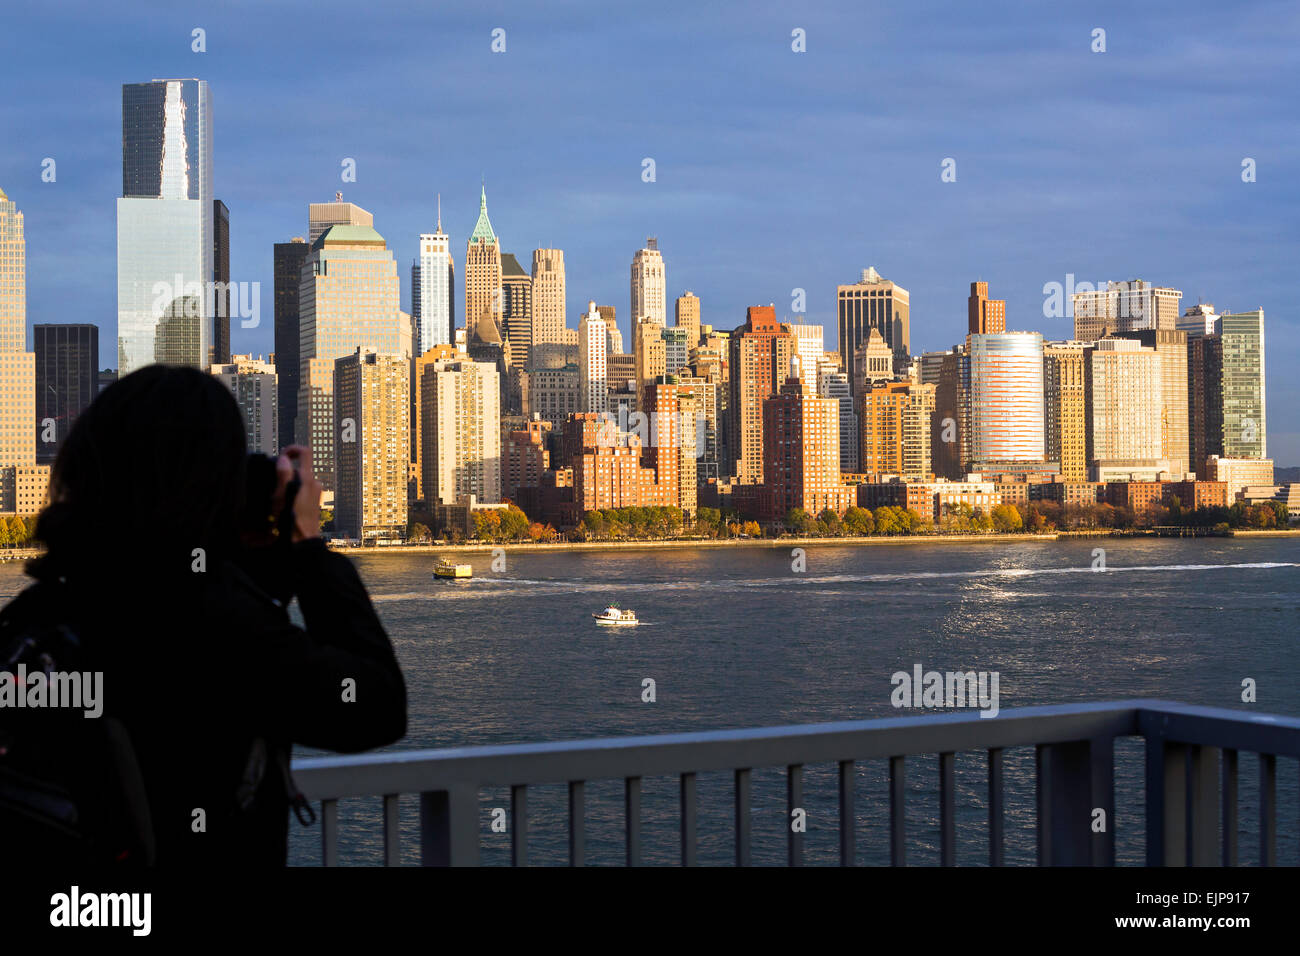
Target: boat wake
x=497 y=586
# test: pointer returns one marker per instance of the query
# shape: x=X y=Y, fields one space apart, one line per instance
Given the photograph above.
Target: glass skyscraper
x=433 y=278
x=165 y=236
x=1245 y=431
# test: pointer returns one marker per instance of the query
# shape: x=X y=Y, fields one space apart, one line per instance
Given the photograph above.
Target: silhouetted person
x=151 y=563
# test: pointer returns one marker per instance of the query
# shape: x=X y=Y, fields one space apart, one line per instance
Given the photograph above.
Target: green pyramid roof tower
x=483 y=228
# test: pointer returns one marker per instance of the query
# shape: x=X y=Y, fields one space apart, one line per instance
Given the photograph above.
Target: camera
x=259 y=524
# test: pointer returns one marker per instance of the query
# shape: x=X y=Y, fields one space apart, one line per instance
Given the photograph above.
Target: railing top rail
x=410 y=771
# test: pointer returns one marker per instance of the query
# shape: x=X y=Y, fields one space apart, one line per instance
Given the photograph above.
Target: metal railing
x=1191 y=773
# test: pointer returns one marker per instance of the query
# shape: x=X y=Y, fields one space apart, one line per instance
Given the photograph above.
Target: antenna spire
x=440 y=212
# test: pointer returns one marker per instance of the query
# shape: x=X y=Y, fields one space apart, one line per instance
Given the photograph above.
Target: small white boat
x=613 y=616
x=449 y=569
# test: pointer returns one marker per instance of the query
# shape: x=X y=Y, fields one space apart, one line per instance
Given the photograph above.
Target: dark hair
x=151 y=470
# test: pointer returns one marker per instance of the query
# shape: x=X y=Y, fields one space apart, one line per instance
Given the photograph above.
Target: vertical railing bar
x=577 y=823
x=897 y=811
x=848 y=812
x=1230 y=837
x=632 y=817
x=1267 y=810
x=1203 y=815
x=744 y=784
x=1044 y=759
x=1166 y=802
x=688 y=813
x=449 y=826
x=392 y=833
x=995 y=807
x=519 y=825
x=329 y=832
x=1101 y=756
x=947 y=814
x=793 y=805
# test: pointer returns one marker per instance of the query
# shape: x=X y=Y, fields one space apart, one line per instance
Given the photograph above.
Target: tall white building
x=548 y=296
x=808 y=342
x=433 y=279
x=460 y=421
x=593 y=361
x=1124 y=400
x=649 y=297
x=253 y=383
x=1199 y=319
x=832 y=383
x=1002 y=398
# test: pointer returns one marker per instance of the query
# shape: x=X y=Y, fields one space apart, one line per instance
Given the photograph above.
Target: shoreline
x=783 y=543
x=671 y=544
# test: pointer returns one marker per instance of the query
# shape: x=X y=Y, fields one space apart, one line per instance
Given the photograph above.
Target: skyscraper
x=1199 y=319
x=649 y=299
x=349 y=299
x=548 y=296
x=517 y=311
x=649 y=354
x=1171 y=345
x=433 y=289
x=372 y=405
x=1245 y=431
x=165 y=232
x=1002 y=400
x=221 y=298
x=873 y=303
x=67 y=380
x=676 y=350
x=809 y=340
x=984 y=315
x=1124 y=398
x=874 y=363
x=760 y=351
x=832 y=383
x=611 y=327
x=322 y=215
x=289 y=259
x=593 y=373
x=687 y=316
x=1124 y=307
x=17 y=365
x=484 y=303
x=1065 y=415
x=894 y=424
x=801 y=449
x=253 y=383
x=460 y=420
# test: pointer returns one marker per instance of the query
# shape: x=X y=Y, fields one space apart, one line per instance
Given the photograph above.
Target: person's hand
x=306 y=506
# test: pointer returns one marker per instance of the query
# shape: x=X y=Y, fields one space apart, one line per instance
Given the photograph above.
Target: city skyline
x=1023 y=176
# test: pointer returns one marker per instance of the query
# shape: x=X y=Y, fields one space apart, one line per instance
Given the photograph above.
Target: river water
x=736 y=638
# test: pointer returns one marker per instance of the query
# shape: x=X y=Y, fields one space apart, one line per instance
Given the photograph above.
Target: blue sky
x=776 y=170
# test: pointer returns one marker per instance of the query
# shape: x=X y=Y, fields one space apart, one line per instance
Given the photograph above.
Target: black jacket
x=200 y=665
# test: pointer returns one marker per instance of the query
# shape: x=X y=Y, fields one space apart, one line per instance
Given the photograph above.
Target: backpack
x=71 y=789
x=70 y=785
